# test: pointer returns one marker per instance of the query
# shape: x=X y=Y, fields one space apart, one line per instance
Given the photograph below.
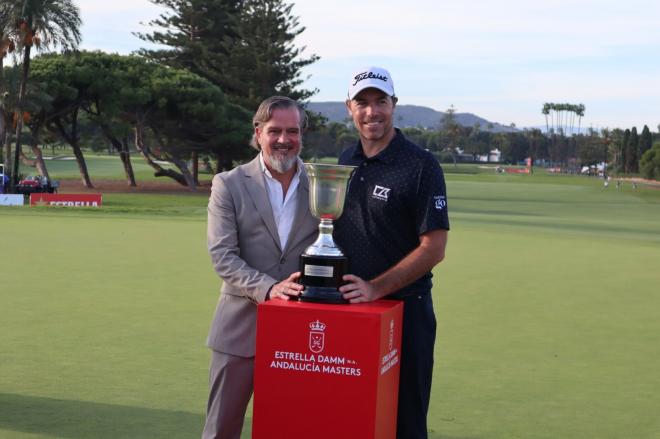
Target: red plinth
x=327 y=371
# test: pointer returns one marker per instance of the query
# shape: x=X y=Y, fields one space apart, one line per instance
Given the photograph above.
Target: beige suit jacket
x=246 y=252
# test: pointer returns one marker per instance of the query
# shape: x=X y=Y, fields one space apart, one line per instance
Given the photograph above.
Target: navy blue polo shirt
x=392 y=199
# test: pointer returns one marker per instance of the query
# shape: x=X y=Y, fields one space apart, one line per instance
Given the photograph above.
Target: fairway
x=100 y=167
x=547 y=311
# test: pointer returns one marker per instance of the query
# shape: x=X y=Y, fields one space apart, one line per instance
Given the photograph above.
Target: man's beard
x=283 y=164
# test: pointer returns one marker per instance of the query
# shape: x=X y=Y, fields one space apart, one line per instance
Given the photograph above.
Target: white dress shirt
x=284 y=208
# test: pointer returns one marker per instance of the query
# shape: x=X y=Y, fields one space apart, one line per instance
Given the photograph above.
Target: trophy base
x=322 y=295
x=322 y=276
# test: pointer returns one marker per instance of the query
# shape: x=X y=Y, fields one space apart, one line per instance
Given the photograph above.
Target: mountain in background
x=406 y=116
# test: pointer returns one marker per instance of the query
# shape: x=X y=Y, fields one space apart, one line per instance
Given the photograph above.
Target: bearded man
x=253 y=212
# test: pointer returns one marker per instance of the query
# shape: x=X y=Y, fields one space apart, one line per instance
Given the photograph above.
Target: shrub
x=650 y=162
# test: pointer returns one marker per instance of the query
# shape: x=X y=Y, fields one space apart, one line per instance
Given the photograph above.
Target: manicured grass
x=547 y=310
x=546 y=305
x=100 y=167
x=103 y=323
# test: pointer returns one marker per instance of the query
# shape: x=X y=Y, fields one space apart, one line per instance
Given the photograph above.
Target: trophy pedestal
x=325 y=371
x=321 y=275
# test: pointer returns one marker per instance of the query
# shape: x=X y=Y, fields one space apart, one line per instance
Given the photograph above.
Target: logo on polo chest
x=381 y=192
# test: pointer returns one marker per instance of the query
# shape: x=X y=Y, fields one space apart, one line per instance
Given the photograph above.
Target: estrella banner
x=66 y=200
x=516 y=170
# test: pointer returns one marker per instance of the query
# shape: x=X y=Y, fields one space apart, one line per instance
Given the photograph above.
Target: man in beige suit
x=258 y=225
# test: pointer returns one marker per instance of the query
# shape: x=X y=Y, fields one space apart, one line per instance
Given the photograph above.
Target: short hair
x=265 y=111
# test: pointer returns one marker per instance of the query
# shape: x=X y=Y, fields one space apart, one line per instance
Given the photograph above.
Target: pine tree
x=623 y=156
x=268 y=62
x=200 y=35
x=645 y=140
x=245 y=47
x=632 y=152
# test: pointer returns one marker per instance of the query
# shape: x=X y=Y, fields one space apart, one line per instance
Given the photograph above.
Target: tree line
x=192 y=101
x=164 y=114
x=623 y=150
x=189 y=102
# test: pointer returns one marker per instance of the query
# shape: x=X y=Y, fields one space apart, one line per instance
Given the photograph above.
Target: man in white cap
x=394 y=231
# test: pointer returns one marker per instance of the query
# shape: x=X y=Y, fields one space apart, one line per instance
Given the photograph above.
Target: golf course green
x=547 y=305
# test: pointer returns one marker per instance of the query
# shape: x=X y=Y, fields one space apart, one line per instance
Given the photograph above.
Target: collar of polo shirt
x=387 y=155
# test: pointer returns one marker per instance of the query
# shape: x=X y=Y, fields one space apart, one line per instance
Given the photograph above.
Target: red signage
x=327 y=371
x=66 y=200
x=516 y=170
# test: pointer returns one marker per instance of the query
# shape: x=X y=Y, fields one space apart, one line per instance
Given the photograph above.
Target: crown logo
x=317 y=326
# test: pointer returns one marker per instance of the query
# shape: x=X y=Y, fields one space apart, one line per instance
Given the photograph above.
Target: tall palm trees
x=562 y=117
x=562 y=121
x=39 y=24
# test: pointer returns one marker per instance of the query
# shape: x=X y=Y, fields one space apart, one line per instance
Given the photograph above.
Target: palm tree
x=580 y=112
x=545 y=111
x=37 y=103
x=42 y=24
x=7 y=46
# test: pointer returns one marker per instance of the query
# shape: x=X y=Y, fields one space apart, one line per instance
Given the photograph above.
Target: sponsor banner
x=516 y=170
x=337 y=366
x=66 y=200
x=11 y=199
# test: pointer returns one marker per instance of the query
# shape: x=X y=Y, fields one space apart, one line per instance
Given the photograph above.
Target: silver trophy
x=323 y=264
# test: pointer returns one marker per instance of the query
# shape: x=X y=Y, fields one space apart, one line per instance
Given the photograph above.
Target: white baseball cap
x=370 y=77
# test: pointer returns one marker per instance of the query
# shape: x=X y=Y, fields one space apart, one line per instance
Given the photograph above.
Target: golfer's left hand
x=357 y=290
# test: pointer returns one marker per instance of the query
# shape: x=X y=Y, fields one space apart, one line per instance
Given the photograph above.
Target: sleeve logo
x=440 y=202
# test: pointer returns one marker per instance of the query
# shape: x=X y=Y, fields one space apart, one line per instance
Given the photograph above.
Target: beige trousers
x=230 y=389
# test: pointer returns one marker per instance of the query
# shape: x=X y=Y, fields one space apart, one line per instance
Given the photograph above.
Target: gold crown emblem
x=317 y=326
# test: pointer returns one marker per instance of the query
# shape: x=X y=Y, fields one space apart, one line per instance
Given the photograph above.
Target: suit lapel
x=256 y=188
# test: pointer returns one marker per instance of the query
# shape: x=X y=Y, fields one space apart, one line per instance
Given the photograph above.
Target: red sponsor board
x=327 y=371
x=516 y=170
x=66 y=200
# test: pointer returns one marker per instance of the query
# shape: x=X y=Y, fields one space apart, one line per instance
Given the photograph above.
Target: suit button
x=282 y=261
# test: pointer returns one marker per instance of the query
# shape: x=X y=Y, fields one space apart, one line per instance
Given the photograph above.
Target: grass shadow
x=82 y=419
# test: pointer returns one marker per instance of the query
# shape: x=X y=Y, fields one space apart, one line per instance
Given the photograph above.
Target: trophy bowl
x=322 y=264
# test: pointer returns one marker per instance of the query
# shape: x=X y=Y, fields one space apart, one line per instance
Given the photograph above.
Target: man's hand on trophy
x=358 y=290
x=288 y=288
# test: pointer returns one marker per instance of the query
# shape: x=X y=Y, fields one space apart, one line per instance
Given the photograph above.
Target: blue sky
x=500 y=60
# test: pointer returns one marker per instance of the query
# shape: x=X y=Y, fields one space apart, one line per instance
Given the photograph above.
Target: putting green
x=546 y=305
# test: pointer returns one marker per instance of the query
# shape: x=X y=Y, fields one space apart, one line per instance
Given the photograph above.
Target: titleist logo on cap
x=366 y=75
x=370 y=77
